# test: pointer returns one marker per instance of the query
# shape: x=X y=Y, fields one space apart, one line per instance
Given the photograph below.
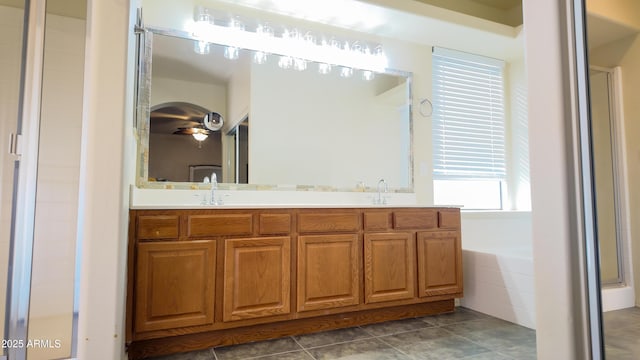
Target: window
x=468 y=130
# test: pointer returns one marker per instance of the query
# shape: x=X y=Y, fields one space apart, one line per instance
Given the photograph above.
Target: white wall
x=104 y=177
x=559 y=283
x=10 y=56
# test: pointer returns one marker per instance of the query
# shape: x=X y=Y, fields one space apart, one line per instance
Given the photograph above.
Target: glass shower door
x=39 y=193
x=11 y=39
x=52 y=308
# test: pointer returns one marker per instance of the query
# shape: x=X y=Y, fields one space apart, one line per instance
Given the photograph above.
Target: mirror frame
x=142 y=126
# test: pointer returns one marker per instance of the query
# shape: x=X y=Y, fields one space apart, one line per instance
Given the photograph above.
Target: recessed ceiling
x=500 y=4
x=601 y=31
x=507 y=12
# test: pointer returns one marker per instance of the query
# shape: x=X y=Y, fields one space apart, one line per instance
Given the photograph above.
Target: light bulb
x=324 y=68
x=260 y=57
x=236 y=24
x=309 y=39
x=356 y=47
x=265 y=30
x=378 y=52
x=200 y=136
x=346 y=72
x=285 y=62
x=202 y=15
x=201 y=47
x=366 y=51
x=202 y=22
x=334 y=44
x=231 y=52
x=299 y=64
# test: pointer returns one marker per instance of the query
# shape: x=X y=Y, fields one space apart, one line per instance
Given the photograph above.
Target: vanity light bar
x=295 y=47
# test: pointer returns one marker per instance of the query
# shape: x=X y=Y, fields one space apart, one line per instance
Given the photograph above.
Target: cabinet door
x=175 y=284
x=328 y=274
x=257 y=275
x=439 y=263
x=389 y=266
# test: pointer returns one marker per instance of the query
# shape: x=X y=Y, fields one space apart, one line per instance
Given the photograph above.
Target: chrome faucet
x=382 y=185
x=214 y=187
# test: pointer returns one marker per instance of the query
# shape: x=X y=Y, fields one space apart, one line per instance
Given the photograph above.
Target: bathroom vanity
x=204 y=277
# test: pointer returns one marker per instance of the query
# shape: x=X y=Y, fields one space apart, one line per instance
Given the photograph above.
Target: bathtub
x=497 y=261
x=497 y=253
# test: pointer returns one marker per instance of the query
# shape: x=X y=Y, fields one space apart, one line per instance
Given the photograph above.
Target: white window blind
x=468 y=117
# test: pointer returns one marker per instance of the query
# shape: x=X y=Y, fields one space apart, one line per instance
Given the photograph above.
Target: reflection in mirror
x=178 y=140
x=605 y=177
x=304 y=124
x=613 y=35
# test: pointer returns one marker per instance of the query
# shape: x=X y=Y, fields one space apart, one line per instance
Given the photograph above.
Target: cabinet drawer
x=272 y=224
x=449 y=219
x=329 y=222
x=415 y=219
x=219 y=225
x=158 y=227
x=377 y=221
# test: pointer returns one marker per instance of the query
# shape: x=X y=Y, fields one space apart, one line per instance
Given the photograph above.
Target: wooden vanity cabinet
x=437 y=251
x=256 y=277
x=389 y=266
x=167 y=271
x=208 y=277
x=328 y=271
x=328 y=257
x=440 y=257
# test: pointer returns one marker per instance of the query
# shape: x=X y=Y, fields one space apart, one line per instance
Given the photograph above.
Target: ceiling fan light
x=200 y=136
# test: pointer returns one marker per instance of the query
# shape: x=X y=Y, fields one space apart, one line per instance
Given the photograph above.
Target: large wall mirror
x=295 y=129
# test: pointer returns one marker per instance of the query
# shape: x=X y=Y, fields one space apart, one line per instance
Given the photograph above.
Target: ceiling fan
x=198 y=132
x=182 y=118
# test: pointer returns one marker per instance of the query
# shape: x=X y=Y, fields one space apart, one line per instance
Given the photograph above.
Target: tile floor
x=622 y=334
x=464 y=334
